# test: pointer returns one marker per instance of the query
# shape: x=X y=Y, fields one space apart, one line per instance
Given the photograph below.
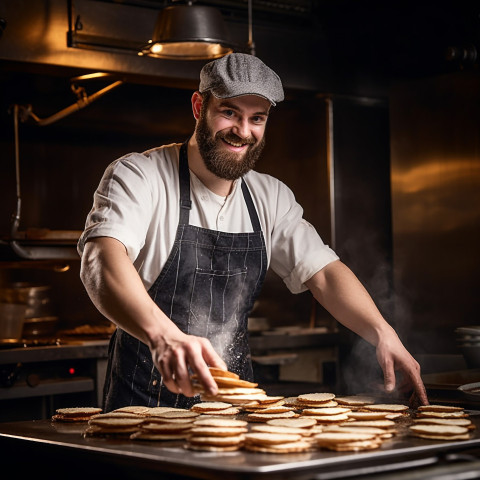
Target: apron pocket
x=215 y=302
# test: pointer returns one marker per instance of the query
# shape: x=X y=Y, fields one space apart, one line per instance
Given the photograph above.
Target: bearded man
x=179 y=239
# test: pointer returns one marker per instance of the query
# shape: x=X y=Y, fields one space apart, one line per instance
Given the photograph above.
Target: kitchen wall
x=435 y=160
x=339 y=49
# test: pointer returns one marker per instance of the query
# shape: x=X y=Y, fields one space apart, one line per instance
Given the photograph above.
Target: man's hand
x=341 y=293
x=393 y=357
x=117 y=291
x=178 y=358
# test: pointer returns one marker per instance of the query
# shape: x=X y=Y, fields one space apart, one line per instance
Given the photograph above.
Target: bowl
x=471 y=391
x=12 y=318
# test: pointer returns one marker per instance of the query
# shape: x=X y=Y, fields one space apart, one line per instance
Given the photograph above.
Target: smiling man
x=179 y=239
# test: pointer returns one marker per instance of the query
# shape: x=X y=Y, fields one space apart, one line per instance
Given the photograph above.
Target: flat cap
x=239 y=74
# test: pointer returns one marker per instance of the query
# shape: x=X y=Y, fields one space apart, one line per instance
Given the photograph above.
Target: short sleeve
x=122 y=205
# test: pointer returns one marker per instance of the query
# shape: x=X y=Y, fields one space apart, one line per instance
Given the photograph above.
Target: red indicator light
x=71 y=371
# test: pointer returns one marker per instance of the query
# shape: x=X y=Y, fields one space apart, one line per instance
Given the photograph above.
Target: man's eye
x=228 y=113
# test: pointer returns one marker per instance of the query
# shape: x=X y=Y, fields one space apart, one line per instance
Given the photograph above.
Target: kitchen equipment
x=12 y=317
x=39 y=326
x=37 y=297
x=471 y=391
x=39 y=314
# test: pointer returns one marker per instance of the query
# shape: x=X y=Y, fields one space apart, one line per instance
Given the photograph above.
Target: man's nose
x=242 y=129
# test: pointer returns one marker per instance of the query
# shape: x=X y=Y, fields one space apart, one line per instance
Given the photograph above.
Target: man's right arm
x=115 y=288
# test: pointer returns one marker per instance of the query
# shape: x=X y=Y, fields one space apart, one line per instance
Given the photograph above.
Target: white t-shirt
x=137 y=203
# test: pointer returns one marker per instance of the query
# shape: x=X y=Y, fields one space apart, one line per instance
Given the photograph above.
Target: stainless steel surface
x=436 y=207
x=172 y=457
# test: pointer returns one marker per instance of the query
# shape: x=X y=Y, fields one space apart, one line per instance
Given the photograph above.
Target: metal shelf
x=47 y=387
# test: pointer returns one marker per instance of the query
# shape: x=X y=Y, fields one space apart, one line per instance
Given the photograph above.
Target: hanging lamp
x=189 y=32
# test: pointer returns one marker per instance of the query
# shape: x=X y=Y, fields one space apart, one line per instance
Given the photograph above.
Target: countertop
x=70 y=349
x=62 y=451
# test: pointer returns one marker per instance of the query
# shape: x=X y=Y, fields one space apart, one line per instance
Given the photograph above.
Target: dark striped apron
x=207 y=288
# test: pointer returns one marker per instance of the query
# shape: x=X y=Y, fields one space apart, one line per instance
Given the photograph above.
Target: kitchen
x=404 y=77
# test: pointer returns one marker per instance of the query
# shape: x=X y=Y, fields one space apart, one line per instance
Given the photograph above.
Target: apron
x=207 y=287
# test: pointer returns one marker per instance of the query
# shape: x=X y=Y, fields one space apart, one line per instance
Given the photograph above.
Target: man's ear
x=197 y=101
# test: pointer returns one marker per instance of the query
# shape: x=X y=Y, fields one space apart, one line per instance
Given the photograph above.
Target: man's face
x=230 y=134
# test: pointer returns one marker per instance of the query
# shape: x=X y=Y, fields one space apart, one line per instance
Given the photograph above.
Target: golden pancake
x=326 y=411
x=460 y=422
x=219 y=422
x=386 y=407
x=267 y=438
x=355 y=400
x=134 y=409
x=217 y=431
x=315 y=397
x=439 y=408
x=233 y=382
x=210 y=406
x=78 y=411
x=216 y=441
x=302 y=422
x=443 y=430
x=291 y=447
x=263 y=417
x=266 y=428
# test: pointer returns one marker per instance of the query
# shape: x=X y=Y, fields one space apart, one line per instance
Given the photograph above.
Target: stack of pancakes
x=75 y=414
x=441 y=422
x=217 y=435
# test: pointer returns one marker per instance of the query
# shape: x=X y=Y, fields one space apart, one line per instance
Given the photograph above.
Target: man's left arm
x=337 y=288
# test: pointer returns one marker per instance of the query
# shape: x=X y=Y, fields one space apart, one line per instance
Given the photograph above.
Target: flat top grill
x=171 y=456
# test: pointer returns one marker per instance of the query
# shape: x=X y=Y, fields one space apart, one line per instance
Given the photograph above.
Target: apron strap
x=251 y=207
x=186 y=203
x=184 y=174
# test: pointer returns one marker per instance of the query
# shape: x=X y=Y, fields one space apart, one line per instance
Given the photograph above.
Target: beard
x=226 y=165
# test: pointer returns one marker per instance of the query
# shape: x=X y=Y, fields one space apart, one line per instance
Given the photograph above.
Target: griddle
x=64 y=445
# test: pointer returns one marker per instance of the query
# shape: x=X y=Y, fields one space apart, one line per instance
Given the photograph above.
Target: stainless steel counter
x=61 y=450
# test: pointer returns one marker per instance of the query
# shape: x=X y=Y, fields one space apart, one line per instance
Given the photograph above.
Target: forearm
x=341 y=293
x=117 y=291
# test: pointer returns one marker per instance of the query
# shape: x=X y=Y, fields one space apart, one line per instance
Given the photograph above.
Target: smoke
x=360 y=370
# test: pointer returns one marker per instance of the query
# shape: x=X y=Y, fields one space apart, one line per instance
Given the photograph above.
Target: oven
x=40 y=375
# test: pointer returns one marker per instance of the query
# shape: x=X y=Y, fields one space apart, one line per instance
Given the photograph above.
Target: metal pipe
x=251 y=43
x=81 y=103
x=331 y=172
x=16 y=215
x=34 y=252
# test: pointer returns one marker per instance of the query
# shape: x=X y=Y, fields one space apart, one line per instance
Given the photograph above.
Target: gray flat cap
x=241 y=74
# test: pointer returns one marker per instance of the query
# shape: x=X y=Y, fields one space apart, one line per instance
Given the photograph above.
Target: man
x=179 y=239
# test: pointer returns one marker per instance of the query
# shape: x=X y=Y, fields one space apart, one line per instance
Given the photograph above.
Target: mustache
x=233 y=138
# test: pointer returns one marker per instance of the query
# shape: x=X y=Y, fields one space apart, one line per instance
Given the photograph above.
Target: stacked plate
x=468 y=340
